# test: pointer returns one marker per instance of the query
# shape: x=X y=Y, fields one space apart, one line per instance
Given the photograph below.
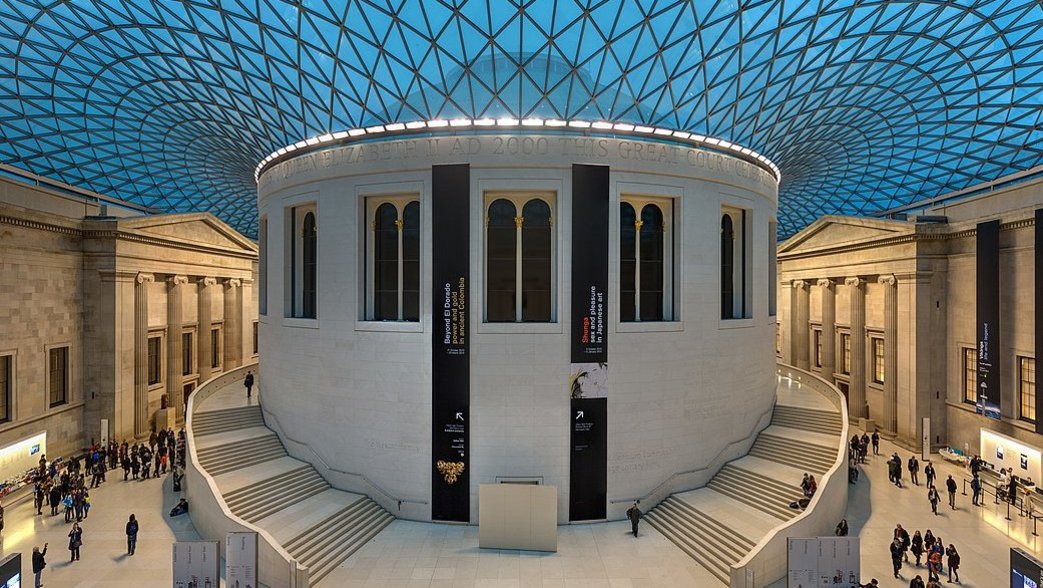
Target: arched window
x=393 y=259
x=645 y=259
x=501 y=267
x=727 y=267
x=309 y=267
x=536 y=261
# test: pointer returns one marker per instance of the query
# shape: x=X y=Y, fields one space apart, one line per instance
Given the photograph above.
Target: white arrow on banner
x=459 y=416
x=579 y=414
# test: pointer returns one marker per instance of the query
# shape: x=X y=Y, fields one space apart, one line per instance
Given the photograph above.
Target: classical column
x=890 y=422
x=799 y=326
x=233 y=350
x=856 y=396
x=175 y=293
x=142 y=281
x=829 y=319
x=204 y=300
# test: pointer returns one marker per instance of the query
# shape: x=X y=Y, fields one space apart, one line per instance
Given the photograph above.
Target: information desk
x=518 y=516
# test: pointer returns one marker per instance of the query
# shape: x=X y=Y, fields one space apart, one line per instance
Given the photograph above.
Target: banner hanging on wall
x=450 y=361
x=988 y=318
x=1039 y=306
x=588 y=378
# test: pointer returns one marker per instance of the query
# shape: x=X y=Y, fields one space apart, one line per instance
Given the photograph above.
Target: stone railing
x=212 y=517
x=766 y=562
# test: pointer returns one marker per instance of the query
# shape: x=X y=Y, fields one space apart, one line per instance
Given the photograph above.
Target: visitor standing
x=876 y=443
x=914 y=469
x=634 y=514
x=976 y=490
x=132 y=535
x=953 y=562
x=75 y=541
x=916 y=546
x=929 y=472
x=933 y=498
x=896 y=555
x=249 y=383
x=39 y=563
x=950 y=485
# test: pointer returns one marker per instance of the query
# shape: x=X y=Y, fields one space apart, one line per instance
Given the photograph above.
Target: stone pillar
x=799 y=325
x=205 y=319
x=856 y=397
x=233 y=349
x=890 y=416
x=141 y=427
x=175 y=294
x=829 y=319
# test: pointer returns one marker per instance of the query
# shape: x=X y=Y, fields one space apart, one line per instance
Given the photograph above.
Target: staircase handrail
x=711 y=464
x=325 y=464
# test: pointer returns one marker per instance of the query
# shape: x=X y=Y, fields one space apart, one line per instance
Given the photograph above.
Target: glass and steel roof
x=864 y=105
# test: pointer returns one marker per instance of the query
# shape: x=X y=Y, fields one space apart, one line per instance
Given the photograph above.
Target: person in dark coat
x=914 y=469
x=929 y=472
x=917 y=582
x=249 y=383
x=132 y=535
x=896 y=555
x=634 y=514
x=39 y=563
x=876 y=443
x=916 y=546
x=950 y=485
x=75 y=541
x=1012 y=490
x=841 y=530
x=953 y=562
x=975 y=490
x=933 y=498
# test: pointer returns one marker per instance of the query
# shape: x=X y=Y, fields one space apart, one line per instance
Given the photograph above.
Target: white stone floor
x=103 y=560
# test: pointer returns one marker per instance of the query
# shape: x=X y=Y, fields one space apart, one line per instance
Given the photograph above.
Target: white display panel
x=823 y=561
x=241 y=560
x=196 y=564
x=1005 y=452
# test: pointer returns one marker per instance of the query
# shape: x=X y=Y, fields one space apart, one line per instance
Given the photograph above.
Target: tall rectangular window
x=817 y=351
x=58 y=376
x=186 y=354
x=646 y=268
x=304 y=258
x=215 y=347
x=262 y=265
x=877 y=345
x=773 y=278
x=392 y=258
x=519 y=257
x=736 y=296
x=155 y=360
x=778 y=339
x=1027 y=388
x=6 y=386
x=845 y=352
x=970 y=375
x=255 y=347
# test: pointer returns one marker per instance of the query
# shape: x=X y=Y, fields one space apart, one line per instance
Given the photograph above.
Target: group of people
x=928 y=548
x=68 y=488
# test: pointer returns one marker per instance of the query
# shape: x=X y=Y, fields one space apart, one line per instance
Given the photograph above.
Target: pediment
x=833 y=231
x=199 y=229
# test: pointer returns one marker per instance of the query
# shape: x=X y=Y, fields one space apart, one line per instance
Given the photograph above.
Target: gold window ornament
x=450 y=470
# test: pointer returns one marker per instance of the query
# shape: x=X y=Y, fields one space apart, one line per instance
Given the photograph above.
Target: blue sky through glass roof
x=863 y=105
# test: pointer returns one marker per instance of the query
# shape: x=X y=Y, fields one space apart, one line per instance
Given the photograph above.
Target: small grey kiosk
x=518 y=516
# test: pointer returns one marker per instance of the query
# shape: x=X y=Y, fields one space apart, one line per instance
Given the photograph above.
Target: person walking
x=39 y=563
x=934 y=565
x=132 y=535
x=934 y=499
x=952 y=561
x=929 y=472
x=75 y=541
x=898 y=470
x=950 y=485
x=876 y=443
x=896 y=555
x=634 y=514
x=249 y=383
x=916 y=546
x=976 y=490
x=841 y=530
x=914 y=470
x=903 y=536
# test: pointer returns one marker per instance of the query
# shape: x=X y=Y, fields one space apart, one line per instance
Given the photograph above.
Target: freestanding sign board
x=450 y=361
x=241 y=560
x=823 y=561
x=197 y=564
x=588 y=462
x=988 y=318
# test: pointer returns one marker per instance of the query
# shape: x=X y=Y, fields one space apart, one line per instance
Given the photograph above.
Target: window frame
x=668 y=208
x=878 y=361
x=256 y=338
x=844 y=345
x=189 y=353
x=969 y=363
x=294 y=219
x=262 y=265
x=371 y=204
x=519 y=198
x=742 y=261
x=1022 y=362
x=154 y=380
x=217 y=346
x=67 y=379
x=7 y=387
x=773 y=270
x=816 y=346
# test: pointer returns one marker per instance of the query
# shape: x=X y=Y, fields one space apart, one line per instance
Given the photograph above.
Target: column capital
x=207 y=281
x=799 y=284
x=177 y=280
x=854 y=281
x=889 y=280
x=143 y=278
x=825 y=283
x=233 y=282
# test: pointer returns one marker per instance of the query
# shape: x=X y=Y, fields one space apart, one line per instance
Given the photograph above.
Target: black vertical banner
x=988 y=318
x=450 y=364
x=1039 y=306
x=588 y=464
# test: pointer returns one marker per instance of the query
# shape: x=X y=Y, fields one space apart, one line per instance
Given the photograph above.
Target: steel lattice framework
x=864 y=105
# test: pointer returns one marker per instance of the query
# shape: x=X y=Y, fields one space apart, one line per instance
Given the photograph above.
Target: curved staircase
x=719 y=524
x=316 y=524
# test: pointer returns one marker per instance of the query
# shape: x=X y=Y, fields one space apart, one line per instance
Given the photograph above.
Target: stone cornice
x=40 y=226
